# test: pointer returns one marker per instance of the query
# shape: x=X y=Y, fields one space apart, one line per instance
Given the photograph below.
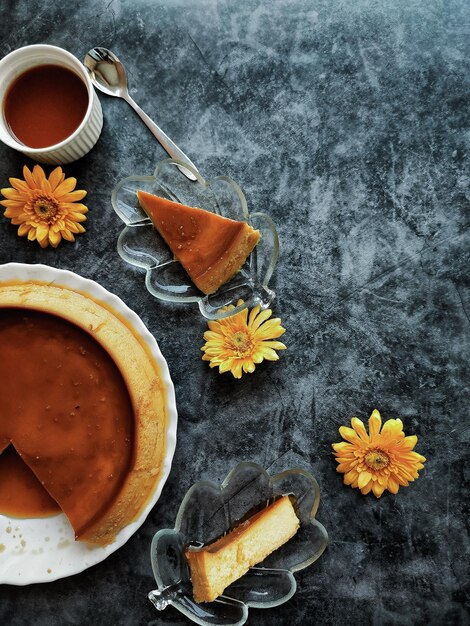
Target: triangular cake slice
x=211 y=248
x=217 y=565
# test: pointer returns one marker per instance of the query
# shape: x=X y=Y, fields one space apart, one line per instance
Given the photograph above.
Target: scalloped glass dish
x=141 y=246
x=207 y=511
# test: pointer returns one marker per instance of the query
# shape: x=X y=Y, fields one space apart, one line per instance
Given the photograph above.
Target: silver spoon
x=107 y=73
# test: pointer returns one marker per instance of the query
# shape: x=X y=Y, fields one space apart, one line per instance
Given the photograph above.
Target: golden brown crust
x=142 y=376
x=227 y=266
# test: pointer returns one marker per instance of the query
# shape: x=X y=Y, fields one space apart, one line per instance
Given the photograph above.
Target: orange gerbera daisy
x=382 y=459
x=238 y=342
x=46 y=209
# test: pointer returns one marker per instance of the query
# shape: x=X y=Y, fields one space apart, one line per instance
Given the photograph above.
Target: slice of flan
x=83 y=404
x=211 y=248
x=217 y=565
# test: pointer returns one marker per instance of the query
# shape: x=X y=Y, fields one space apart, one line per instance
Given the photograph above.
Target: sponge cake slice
x=219 y=564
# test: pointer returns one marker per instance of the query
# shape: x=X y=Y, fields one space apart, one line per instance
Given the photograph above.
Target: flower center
x=241 y=342
x=46 y=208
x=377 y=459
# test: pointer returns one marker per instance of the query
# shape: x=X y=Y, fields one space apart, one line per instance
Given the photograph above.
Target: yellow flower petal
x=377 y=489
x=77 y=207
x=29 y=178
x=225 y=366
x=273 y=331
x=19 y=185
x=16 y=217
x=77 y=217
x=350 y=476
x=55 y=178
x=360 y=429
x=401 y=479
x=375 y=422
x=249 y=368
x=66 y=234
x=260 y=319
x=268 y=353
x=381 y=459
x=73 y=196
x=348 y=459
x=409 y=442
x=12 y=194
x=23 y=229
x=349 y=434
x=72 y=226
x=54 y=238
x=211 y=335
x=363 y=480
x=237 y=343
x=237 y=369
x=346 y=466
x=392 y=427
x=258 y=358
x=46 y=209
x=341 y=446
x=275 y=345
x=214 y=326
x=38 y=176
x=42 y=232
x=65 y=187
x=382 y=480
x=45 y=186
x=11 y=203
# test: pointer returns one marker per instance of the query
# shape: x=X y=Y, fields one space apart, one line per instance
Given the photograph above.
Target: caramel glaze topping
x=198 y=238
x=21 y=493
x=66 y=410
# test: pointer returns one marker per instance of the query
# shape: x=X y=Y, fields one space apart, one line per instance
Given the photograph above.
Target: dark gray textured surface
x=348 y=123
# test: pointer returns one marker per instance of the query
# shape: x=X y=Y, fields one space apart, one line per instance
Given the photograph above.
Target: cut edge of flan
x=144 y=383
x=223 y=268
x=220 y=563
x=236 y=255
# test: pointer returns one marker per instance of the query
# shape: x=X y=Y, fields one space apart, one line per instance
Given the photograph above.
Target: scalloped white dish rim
x=37 y=550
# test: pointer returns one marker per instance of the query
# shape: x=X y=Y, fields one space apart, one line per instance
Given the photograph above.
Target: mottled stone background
x=347 y=121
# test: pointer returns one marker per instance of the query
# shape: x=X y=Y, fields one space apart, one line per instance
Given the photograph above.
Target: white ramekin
x=84 y=137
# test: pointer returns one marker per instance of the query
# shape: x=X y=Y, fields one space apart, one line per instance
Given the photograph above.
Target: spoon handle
x=170 y=147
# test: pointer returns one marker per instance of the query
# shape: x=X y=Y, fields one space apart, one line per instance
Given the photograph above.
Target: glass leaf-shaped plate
x=140 y=245
x=207 y=511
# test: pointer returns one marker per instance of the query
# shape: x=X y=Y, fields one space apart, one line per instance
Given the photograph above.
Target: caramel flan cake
x=218 y=564
x=83 y=416
x=211 y=248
